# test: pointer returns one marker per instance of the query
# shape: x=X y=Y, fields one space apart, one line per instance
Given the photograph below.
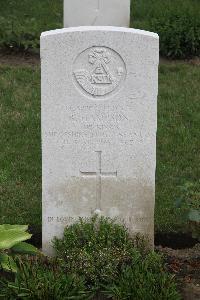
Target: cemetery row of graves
x=97 y=258
x=177 y=22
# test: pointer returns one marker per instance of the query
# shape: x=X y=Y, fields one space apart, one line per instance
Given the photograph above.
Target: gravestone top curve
x=100 y=28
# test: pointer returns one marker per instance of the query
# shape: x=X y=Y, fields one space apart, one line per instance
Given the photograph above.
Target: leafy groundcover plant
x=95 y=257
x=12 y=239
x=179 y=35
x=112 y=263
x=177 y=23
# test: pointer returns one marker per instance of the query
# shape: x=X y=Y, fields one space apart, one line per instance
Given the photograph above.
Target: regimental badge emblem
x=99 y=71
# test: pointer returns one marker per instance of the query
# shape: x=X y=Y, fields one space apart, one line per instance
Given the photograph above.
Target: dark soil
x=19 y=59
x=185 y=265
x=36 y=238
x=175 y=240
x=193 y=61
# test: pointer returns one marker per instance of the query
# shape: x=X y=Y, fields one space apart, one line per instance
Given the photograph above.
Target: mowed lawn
x=178 y=145
x=20 y=154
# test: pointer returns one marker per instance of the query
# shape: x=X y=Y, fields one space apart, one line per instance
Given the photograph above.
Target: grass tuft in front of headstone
x=42 y=278
x=143 y=278
x=112 y=263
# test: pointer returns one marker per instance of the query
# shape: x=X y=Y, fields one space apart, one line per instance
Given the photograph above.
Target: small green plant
x=179 y=34
x=189 y=204
x=94 y=248
x=95 y=257
x=42 y=278
x=111 y=262
x=176 y=21
x=12 y=239
x=17 y=36
x=143 y=279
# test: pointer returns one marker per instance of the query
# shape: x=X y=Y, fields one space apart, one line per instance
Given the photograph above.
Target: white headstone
x=99 y=103
x=96 y=13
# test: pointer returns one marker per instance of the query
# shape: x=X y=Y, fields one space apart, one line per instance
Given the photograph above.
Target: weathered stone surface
x=96 y=13
x=99 y=103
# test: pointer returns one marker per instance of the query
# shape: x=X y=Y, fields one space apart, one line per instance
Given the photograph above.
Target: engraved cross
x=99 y=174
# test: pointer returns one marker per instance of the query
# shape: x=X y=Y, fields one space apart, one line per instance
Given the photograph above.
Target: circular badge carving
x=99 y=71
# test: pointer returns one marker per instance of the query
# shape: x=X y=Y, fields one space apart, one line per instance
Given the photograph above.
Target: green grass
x=178 y=140
x=143 y=11
x=178 y=143
x=22 y=21
x=177 y=23
x=44 y=14
x=20 y=155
